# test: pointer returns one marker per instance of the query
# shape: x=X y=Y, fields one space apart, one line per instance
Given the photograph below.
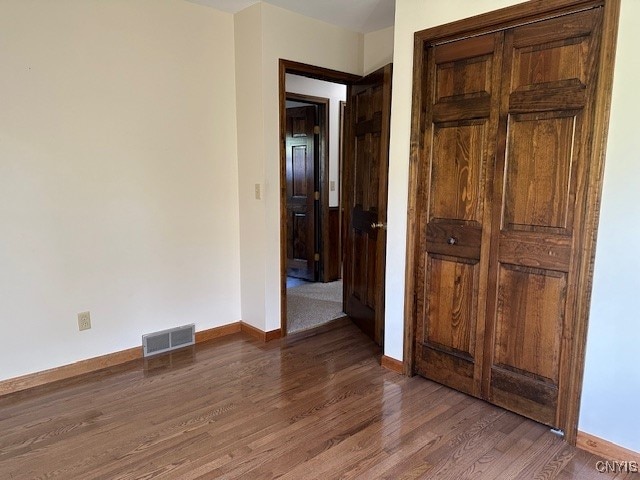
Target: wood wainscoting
x=334 y=263
x=89 y=365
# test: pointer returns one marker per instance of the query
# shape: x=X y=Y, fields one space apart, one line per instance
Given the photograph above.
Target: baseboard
x=259 y=334
x=217 y=332
x=325 y=327
x=392 y=364
x=64 y=372
x=605 y=449
x=37 y=379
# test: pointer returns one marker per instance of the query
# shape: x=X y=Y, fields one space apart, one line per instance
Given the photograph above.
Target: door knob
x=452 y=240
x=381 y=225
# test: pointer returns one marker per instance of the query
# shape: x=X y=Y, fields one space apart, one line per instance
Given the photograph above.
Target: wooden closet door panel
x=541 y=174
x=455 y=226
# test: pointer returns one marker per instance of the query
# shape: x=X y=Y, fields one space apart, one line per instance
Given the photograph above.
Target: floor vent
x=167 y=340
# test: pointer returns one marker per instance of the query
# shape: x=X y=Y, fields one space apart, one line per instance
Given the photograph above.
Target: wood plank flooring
x=301 y=407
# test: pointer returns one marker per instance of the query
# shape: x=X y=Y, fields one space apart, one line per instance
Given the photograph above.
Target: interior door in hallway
x=365 y=200
x=301 y=166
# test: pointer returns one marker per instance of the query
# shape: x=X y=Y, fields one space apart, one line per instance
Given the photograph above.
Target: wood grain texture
x=519 y=14
x=217 y=332
x=418 y=121
x=454 y=224
x=602 y=108
x=32 y=380
x=556 y=74
x=542 y=169
x=334 y=247
x=64 y=372
x=260 y=334
x=605 y=449
x=364 y=186
x=272 y=335
x=392 y=364
x=298 y=408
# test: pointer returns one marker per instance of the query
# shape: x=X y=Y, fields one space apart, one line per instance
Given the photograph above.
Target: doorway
x=361 y=190
x=312 y=181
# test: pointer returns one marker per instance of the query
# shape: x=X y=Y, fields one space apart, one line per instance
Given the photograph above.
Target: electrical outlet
x=332 y=185
x=257 y=191
x=84 y=321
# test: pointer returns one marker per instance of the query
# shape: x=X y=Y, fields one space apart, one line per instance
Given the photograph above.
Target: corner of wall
x=362 y=45
x=377 y=49
x=248 y=37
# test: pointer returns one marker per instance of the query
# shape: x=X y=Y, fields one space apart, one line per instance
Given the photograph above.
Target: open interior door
x=365 y=200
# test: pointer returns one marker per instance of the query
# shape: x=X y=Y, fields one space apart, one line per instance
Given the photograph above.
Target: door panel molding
x=524 y=96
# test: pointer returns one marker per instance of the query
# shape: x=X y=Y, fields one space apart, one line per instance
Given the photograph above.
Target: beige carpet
x=313 y=304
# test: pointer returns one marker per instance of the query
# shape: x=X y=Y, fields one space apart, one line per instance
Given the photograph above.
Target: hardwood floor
x=300 y=407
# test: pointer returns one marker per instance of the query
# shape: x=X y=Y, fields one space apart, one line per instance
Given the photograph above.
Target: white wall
x=378 y=49
x=336 y=93
x=612 y=384
x=118 y=176
x=249 y=102
x=411 y=16
x=289 y=36
x=611 y=389
x=293 y=37
x=118 y=168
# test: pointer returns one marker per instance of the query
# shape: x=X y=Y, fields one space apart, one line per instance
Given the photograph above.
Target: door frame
x=321 y=175
x=478 y=25
x=318 y=73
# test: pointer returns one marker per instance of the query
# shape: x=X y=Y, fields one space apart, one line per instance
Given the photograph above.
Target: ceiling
x=357 y=15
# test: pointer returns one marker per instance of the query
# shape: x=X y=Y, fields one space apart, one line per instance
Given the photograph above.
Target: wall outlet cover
x=84 y=321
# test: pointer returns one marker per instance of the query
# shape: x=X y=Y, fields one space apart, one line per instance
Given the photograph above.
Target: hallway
x=311 y=304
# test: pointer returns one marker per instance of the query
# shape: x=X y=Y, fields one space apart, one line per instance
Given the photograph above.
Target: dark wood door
x=301 y=187
x=508 y=126
x=454 y=222
x=365 y=200
x=547 y=102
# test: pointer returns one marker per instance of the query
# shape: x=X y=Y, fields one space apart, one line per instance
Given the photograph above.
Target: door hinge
x=316 y=130
x=316 y=195
x=316 y=257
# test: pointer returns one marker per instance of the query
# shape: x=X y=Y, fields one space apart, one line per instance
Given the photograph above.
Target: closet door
x=454 y=224
x=538 y=208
